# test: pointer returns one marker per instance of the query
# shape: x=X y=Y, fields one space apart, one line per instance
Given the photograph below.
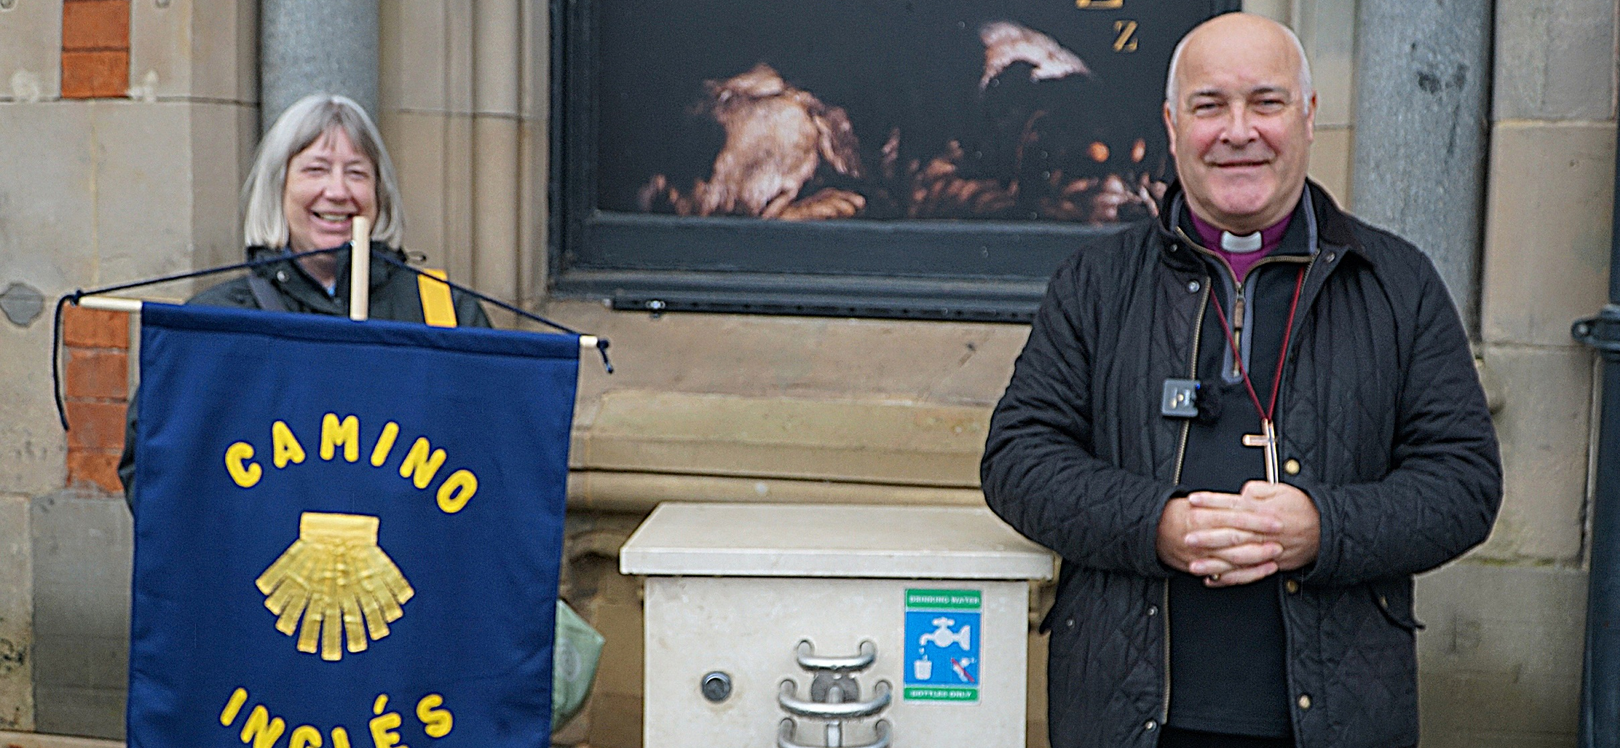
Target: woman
x=321 y=165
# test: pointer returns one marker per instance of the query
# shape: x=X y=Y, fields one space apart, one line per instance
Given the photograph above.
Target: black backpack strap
x=265 y=294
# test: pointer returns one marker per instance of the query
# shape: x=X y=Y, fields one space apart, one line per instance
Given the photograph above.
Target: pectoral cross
x=1267 y=439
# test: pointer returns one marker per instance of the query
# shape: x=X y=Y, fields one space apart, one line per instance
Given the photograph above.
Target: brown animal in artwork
x=1006 y=43
x=776 y=137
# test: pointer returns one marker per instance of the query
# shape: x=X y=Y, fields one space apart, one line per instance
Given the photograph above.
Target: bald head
x=1241 y=29
x=1240 y=118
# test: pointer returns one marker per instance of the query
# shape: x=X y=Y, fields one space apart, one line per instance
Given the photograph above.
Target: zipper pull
x=1237 y=334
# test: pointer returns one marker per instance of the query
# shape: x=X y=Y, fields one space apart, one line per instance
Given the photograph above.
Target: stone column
x=307 y=46
x=1423 y=77
x=497 y=147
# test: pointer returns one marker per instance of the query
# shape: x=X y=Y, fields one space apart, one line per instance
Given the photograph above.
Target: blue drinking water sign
x=942 y=645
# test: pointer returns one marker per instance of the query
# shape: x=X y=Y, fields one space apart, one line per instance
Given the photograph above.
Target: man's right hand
x=1232 y=547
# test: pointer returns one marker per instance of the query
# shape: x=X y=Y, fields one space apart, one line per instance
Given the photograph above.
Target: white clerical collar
x=1242 y=244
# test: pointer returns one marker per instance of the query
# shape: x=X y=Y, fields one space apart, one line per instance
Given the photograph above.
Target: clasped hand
x=1232 y=539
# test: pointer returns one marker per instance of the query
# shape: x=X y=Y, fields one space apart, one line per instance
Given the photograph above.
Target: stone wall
x=1501 y=658
x=463 y=99
x=124 y=129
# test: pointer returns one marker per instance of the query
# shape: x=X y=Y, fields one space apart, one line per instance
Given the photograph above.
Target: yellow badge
x=330 y=577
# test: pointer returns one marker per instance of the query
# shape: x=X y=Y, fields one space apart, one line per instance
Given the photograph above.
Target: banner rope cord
x=77 y=294
x=601 y=343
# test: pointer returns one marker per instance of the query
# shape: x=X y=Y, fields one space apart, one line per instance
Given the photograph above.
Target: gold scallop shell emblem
x=338 y=581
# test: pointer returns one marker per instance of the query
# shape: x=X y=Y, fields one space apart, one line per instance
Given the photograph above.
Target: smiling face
x=1242 y=126
x=328 y=184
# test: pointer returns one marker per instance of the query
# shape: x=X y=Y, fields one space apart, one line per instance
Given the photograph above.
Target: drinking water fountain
x=833 y=626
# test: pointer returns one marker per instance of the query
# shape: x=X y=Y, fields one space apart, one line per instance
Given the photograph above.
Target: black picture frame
x=979 y=270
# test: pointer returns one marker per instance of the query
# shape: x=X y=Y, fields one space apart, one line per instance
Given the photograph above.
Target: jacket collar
x=294 y=281
x=1331 y=225
x=380 y=272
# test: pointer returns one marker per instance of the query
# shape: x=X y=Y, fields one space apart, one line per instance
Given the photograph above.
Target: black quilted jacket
x=1381 y=407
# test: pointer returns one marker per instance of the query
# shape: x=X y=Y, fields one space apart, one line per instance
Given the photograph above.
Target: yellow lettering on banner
x=264 y=731
x=260 y=730
x=306 y=737
x=385 y=444
x=384 y=726
x=233 y=707
x=435 y=722
x=245 y=475
x=457 y=490
x=286 y=449
x=345 y=432
x=419 y=466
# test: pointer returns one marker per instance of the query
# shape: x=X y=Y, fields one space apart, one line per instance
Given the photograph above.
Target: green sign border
x=923 y=599
x=955 y=694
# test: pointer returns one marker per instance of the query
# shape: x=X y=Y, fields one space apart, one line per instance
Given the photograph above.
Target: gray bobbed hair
x=263 y=222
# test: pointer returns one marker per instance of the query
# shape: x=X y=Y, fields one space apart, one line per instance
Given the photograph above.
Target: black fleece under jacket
x=1380 y=406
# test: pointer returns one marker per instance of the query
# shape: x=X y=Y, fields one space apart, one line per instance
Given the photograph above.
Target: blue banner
x=346 y=534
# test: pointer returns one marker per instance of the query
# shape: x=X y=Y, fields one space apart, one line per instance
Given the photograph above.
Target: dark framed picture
x=927 y=159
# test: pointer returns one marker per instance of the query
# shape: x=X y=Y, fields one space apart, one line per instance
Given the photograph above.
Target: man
x=1244 y=425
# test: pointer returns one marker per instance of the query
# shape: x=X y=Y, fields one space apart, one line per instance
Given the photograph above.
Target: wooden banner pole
x=360 y=270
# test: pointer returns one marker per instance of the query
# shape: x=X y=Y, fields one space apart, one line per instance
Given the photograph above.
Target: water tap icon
x=943 y=637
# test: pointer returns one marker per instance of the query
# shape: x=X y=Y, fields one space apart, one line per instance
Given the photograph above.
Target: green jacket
x=394 y=296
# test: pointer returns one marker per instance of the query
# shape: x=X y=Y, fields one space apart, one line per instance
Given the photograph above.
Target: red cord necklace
x=1267 y=438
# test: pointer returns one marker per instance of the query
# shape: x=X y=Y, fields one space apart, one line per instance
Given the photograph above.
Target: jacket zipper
x=1181 y=455
x=1240 y=299
x=1239 y=293
x=1192 y=373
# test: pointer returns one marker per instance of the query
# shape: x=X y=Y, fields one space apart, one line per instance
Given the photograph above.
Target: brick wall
x=95 y=49
x=96 y=393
